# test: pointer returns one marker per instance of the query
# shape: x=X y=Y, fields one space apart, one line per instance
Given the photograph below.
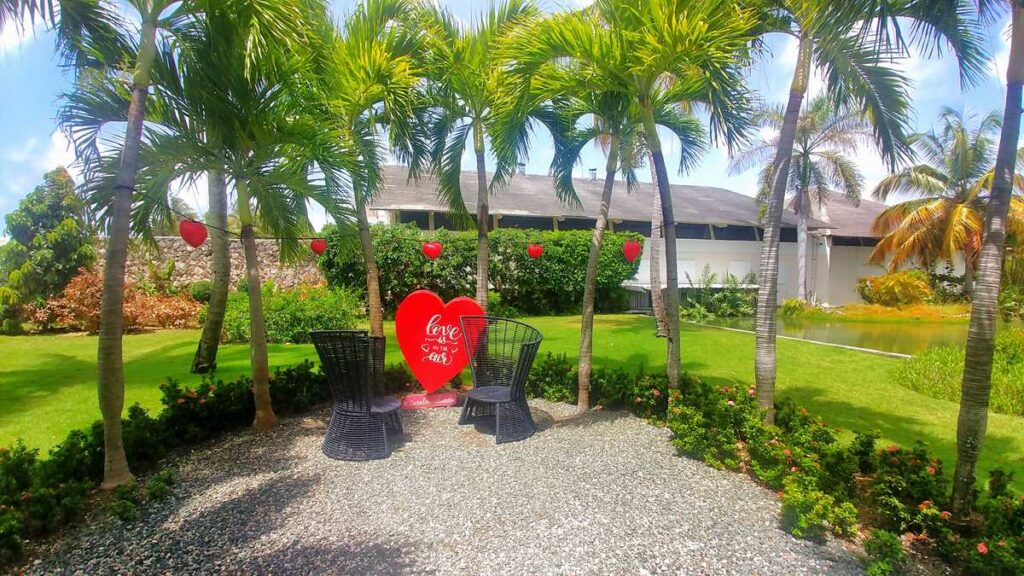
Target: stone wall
x=193 y=264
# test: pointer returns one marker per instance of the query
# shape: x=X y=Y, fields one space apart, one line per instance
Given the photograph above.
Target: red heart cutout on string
x=430 y=336
x=318 y=245
x=194 y=233
x=432 y=250
x=631 y=249
x=534 y=250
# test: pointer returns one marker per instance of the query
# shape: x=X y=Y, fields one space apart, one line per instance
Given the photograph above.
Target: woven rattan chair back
x=346 y=359
x=501 y=351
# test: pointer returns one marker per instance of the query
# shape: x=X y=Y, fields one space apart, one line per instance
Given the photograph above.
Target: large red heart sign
x=430 y=336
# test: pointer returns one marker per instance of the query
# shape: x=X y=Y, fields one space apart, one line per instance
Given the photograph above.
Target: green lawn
x=47 y=383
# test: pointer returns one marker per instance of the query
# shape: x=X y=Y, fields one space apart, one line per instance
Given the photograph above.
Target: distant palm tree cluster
x=284 y=106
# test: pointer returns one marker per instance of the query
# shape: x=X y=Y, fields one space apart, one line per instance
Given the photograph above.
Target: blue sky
x=33 y=81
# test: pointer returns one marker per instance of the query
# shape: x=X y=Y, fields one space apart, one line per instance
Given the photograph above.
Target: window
x=418 y=218
x=788 y=235
x=577 y=224
x=528 y=222
x=693 y=232
x=735 y=233
x=634 y=226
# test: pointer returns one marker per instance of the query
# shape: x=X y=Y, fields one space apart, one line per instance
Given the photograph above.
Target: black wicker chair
x=501 y=352
x=354 y=365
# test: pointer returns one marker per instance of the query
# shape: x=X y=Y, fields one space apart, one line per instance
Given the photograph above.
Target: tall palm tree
x=977 y=382
x=951 y=188
x=851 y=44
x=653 y=51
x=234 y=108
x=467 y=77
x=371 y=83
x=614 y=123
x=205 y=359
x=819 y=166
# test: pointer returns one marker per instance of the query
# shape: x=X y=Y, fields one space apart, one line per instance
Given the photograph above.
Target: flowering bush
x=807 y=512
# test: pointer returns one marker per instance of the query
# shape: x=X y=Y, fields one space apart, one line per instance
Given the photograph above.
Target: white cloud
x=59 y=153
x=20 y=154
x=1002 y=55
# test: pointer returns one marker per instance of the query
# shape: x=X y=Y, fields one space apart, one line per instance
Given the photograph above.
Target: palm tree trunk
x=206 y=355
x=977 y=380
x=482 y=217
x=373 y=301
x=590 y=284
x=669 y=232
x=657 y=296
x=768 y=271
x=969 y=264
x=110 y=360
x=801 y=247
x=265 y=417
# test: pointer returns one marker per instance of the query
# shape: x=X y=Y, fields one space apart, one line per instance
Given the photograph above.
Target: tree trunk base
x=265 y=420
x=119 y=480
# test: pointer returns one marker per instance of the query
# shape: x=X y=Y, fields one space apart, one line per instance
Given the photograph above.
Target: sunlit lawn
x=47 y=383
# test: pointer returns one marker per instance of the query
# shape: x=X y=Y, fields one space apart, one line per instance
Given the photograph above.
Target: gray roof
x=533 y=195
x=846 y=217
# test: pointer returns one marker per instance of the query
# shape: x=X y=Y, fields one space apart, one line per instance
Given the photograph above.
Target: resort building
x=715 y=227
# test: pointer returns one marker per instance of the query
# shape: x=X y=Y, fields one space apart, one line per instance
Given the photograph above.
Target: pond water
x=903 y=338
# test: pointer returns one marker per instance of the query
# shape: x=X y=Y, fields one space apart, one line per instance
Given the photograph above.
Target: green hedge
x=290 y=315
x=826 y=485
x=38 y=496
x=551 y=284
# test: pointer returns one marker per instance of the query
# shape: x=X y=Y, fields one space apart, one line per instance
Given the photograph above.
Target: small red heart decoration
x=430 y=336
x=318 y=245
x=534 y=250
x=194 y=233
x=432 y=250
x=631 y=249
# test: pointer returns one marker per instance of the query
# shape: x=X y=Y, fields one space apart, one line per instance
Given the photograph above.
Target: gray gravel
x=599 y=494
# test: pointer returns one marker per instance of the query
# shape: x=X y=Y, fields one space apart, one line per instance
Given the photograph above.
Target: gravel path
x=599 y=494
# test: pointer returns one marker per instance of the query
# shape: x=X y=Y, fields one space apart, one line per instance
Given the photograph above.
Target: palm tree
x=977 y=382
x=819 y=166
x=205 y=359
x=945 y=218
x=616 y=125
x=851 y=44
x=234 y=108
x=652 y=51
x=370 y=80
x=467 y=83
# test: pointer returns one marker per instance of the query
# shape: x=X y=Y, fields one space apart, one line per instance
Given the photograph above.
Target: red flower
x=637 y=400
x=752 y=392
x=793 y=469
x=894 y=461
x=924 y=504
x=945 y=515
x=657 y=393
x=931 y=470
x=982 y=548
x=787 y=452
x=731 y=403
x=893 y=449
x=202 y=400
x=181 y=400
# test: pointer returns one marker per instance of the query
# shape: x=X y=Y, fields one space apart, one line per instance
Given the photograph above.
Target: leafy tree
x=467 y=77
x=50 y=239
x=819 y=166
x=951 y=186
x=977 y=382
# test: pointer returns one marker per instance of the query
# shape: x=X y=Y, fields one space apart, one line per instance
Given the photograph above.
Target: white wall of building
x=834 y=270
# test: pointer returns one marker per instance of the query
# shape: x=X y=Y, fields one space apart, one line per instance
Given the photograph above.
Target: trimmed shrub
x=885 y=553
x=896 y=289
x=290 y=315
x=551 y=284
x=201 y=291
x=704 y=300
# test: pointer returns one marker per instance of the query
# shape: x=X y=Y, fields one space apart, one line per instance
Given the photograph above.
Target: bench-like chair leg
x=514 y=422
x=352 y=436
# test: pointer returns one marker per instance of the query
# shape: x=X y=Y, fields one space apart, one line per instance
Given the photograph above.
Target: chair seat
x=385 y=404
x=491 y=394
